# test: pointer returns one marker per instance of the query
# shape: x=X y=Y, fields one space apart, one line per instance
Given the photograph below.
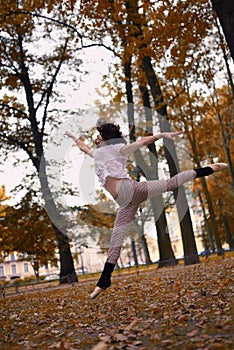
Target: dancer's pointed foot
x=218 y=166
x=104 y=280
x=96 y=292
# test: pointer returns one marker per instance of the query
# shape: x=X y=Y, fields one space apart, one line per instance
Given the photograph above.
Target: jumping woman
x=110 y=158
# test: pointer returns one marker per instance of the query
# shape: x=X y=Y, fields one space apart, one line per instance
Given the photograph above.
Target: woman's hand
x=171 y=135
x=69 y=134
x=82 y=146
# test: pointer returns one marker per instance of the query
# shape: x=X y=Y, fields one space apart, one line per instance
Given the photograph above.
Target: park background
x=151 y=67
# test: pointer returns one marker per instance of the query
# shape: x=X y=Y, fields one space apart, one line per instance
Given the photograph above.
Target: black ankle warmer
x=105 y=279
x=200 y=172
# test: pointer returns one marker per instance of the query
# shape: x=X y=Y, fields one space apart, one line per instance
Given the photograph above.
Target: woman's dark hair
x=111 y=133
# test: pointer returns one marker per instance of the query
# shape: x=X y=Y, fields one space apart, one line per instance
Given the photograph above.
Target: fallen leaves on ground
x=172 y=308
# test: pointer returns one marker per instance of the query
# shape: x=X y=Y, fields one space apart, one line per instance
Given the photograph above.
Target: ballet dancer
x=110 y=157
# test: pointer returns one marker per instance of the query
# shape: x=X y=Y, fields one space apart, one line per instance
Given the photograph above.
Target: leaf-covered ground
x=172 y=308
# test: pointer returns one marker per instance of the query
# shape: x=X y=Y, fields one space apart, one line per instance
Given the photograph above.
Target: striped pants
x=131 y=194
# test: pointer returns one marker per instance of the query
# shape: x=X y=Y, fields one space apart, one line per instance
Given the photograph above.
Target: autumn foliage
x=27 y=230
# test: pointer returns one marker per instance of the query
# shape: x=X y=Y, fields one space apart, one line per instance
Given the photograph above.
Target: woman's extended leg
x=156 y=187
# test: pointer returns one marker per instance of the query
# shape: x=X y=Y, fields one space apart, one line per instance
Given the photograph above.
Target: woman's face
x=99 y=139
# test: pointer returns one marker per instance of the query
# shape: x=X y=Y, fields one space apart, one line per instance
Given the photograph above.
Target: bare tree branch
x=35 y=14
x=49 y=90
x=14 y=109
x=21 y=145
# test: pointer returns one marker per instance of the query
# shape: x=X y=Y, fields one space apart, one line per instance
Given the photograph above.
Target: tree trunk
x=144 y=245
x=213 y=224
x=226 y=226
x=207 y=224
x=229 y=161
x=165 y=250
x=228 y=232
x=143 y=241
x=225 y=58
x=225 y=13
x=137 y=20
x=226 y=139
x=134 y=253
x=166 y=253
x=188 y=239
x=36 y=267
x=67 y=270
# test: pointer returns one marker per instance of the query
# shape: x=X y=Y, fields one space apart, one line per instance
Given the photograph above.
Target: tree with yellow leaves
x=26 y=229
x=29 y=77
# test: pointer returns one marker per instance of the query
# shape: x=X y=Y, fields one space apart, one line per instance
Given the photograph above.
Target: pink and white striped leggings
x=131 y=194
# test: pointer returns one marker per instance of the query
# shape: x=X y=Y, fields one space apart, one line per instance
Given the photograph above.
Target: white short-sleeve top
x=110 y=162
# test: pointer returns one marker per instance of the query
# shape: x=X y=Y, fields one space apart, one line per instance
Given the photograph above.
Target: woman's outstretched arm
x=82 y=146
x=147 y=140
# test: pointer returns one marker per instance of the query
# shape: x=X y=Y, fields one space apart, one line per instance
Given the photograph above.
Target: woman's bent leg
x=123 y=220
x=122 y=223
x=129 y=198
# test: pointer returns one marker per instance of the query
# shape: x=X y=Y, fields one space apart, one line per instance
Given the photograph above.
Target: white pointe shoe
x=96 y=292
x=218 y=166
